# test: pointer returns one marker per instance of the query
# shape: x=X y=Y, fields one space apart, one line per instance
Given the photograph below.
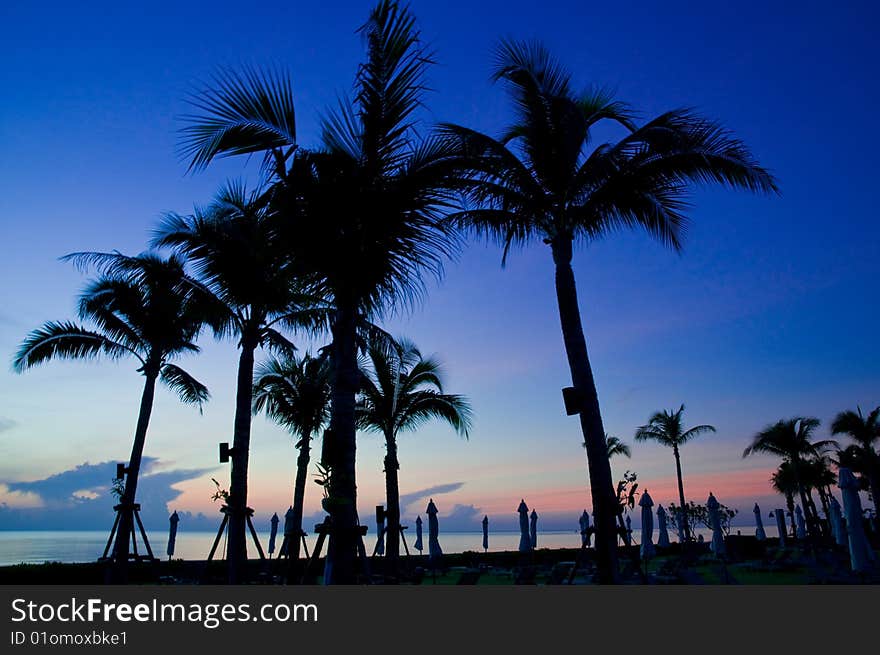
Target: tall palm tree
x=543 y=182
x=362 y=216
x=666 y=429
x=791 y=440
x=232 y=249
x=865 y=432
x=400 y=391
x=295 y=393
x=144 y=307
x=616 y=447
x=784 y=482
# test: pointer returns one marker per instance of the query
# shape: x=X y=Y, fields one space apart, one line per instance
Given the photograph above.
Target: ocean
x=86 y=546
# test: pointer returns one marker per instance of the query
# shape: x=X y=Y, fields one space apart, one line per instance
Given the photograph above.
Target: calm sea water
x=86 y=546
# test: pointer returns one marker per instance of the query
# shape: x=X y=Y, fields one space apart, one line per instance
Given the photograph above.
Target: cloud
x=7 y=424
x=80 y=498
x=408 y=499
x=462 y=518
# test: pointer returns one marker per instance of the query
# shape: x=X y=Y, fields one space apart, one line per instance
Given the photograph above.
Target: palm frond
x=240 y=113
x=66 y=340
x=187 y=388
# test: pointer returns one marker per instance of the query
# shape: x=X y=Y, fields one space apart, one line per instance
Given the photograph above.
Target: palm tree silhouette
x=666 y=429
x=616 y=447
x=362 y=217
x=143 y=307
x=791 y=440
x=400 y=391
x=861 y=456
x=232 y=248
x=295 y=393
x=541 y=182
x=784 y=482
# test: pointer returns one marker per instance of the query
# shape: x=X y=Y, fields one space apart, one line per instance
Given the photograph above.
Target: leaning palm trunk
x=126 y=517
x=789 y=505
x=392 y=498
x=342 y=551
x=812 y=530
x=294 y=539
x=238 y=489
x=685 y=523
x=601 y=484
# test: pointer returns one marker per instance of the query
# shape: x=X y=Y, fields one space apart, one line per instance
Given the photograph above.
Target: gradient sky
x=770 y=312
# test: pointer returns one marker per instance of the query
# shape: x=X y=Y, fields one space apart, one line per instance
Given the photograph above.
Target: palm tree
x=791 y=440
x=616 y=447
x=362 y=217
x=666 y=428
x=401 y=391
x=144 y=307
x=541 y=182
x=295 y=393
x=783 y=481
x=255 y=289
x=865 y=432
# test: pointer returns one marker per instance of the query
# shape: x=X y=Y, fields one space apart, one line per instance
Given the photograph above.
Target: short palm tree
x=666 y=429
x=400 y=391
x=144 y=307
x=791 y=440
x=865 y=432
x=295 y=393
x=362 y=216
x=543 y=181
x=231 y=247
x=616 y=447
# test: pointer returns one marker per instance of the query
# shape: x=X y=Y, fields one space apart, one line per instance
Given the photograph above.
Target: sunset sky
x=771 y=311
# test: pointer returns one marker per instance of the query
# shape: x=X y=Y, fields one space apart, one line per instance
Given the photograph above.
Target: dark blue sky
x=771 y=311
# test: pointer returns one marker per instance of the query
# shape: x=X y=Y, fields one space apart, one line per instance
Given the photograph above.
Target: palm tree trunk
x=126 y=517
x=601 y=483
x=299 y=493
x=687 y=529
x=789 y=505
x=236 y=553
x=823 y=499
x=342 y=551
x=392 y=500
x=812 y=530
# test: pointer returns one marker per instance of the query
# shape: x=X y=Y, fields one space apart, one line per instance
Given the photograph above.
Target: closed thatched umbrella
x=646 y=503
x=584 y=522
x=486 y=533
x=533 y=529
x=717 y=544
x=662 y=530
x=525 y=539
x=801 y=531
x=860 y=554
x=759 y=524
x=173 y=520
x=289 y=517
x=434 y=551
x=627 y=535
x=418 y=543
x=779 y=514
x=273 y=532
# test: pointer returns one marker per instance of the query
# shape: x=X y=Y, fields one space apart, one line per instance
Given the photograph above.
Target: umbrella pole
x=110 y=538
x=220 y=532
x=137 y=517
x=403 y=539
x=249 y=514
